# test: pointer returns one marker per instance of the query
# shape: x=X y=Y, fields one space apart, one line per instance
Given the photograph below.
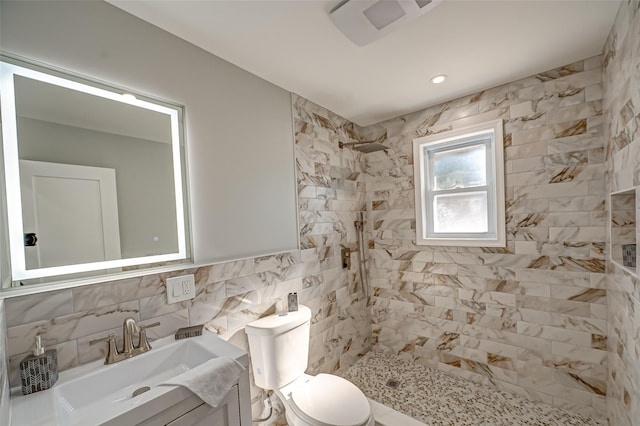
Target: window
x=459 y=187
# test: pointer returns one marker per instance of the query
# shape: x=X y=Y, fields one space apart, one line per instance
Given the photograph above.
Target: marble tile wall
x=4 y=370
x=330 y=196
x=530 y=317
x=621 y=82
x=229 y=295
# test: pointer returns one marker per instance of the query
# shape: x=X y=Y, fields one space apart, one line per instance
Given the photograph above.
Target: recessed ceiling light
x=437 y=79
x=129 y=96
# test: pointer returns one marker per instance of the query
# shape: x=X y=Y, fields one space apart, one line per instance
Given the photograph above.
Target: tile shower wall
x=621 y=81
x=531 y=317
x=330 y=197
x=4 y=370
x=229 y=295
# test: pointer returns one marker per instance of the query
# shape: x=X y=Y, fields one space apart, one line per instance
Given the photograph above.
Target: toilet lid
x=332 y=400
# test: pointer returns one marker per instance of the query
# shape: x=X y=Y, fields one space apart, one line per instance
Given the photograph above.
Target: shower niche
x=624 y=231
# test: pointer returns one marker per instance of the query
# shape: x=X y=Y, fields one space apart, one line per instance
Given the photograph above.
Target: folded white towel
x=210 y=381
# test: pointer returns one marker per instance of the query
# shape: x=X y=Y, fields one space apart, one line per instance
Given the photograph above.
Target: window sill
x=460 y=242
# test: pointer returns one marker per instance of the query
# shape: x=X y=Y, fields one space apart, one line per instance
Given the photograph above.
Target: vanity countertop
x=50 y=408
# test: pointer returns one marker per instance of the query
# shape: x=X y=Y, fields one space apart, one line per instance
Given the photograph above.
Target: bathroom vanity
x=130 y=392
x=192 y=411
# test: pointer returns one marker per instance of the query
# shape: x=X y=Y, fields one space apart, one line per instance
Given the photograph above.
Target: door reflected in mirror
x=94 y=176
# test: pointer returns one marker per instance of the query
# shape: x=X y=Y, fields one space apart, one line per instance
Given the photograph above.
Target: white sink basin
x=95 y=393
x=115 y=384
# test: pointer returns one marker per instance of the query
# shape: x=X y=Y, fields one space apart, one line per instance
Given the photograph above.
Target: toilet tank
x=279 y=347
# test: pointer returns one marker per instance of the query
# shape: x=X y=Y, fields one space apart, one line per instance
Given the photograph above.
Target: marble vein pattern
x=621 y=101
x=529 y=317
x=440 y=399
x=4 y=369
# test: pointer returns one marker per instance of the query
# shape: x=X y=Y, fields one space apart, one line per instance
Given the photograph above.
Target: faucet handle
x=155 y=324
x=104 y=339
x=143 y=342
x=111 y=347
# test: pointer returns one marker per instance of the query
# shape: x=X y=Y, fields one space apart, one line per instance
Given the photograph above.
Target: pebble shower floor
x=440 y=399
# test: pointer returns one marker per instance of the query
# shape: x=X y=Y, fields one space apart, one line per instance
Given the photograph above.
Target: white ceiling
x=478 y=43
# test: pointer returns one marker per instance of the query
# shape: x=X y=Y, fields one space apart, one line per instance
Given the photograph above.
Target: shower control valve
x=345 y=255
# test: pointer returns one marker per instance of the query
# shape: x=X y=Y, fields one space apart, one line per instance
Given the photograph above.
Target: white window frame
x=423 y=148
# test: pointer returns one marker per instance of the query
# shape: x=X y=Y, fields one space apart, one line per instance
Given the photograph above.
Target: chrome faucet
x=129 y=328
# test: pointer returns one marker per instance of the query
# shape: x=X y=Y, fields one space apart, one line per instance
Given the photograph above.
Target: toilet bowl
x=323 y=400
x=279 y=349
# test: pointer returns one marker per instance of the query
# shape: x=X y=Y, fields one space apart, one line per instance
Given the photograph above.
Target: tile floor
x=440 y=399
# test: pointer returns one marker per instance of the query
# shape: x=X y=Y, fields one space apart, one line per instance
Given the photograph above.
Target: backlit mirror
x=94 y=176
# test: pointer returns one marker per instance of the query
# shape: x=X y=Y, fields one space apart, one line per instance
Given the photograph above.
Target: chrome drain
x=393 y=383
x=140 y=391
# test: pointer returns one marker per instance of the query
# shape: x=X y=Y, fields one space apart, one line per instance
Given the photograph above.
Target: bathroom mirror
x=94 y=176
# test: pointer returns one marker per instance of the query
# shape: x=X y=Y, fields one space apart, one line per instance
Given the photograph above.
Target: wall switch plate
x=180 y=288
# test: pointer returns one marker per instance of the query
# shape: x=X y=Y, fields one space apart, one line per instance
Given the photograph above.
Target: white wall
x=238 y=126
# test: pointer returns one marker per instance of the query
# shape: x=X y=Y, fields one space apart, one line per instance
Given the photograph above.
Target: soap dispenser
x=39 y=371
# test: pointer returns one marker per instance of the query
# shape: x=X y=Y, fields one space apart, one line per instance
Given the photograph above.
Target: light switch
x=180 y=288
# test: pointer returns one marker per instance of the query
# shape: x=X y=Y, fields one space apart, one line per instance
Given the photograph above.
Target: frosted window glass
x=461 y=213
x=464 y=167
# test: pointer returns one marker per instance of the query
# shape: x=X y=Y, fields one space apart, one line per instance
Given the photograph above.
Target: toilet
x=279 y=348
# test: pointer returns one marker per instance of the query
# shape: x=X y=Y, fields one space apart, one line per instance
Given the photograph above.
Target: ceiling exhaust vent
x=365 y=21
x=384 y=13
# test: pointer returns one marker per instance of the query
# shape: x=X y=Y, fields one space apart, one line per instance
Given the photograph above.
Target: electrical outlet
x=180 y=288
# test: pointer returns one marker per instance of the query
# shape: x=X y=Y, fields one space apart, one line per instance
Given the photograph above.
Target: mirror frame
x=8 y=69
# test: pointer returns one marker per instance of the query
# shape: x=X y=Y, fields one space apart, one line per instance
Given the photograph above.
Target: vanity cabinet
x=194 y=412
x=95 y=394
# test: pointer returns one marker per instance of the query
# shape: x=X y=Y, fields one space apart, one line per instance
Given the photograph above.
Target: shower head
x=370 y=147
x=365 y=147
